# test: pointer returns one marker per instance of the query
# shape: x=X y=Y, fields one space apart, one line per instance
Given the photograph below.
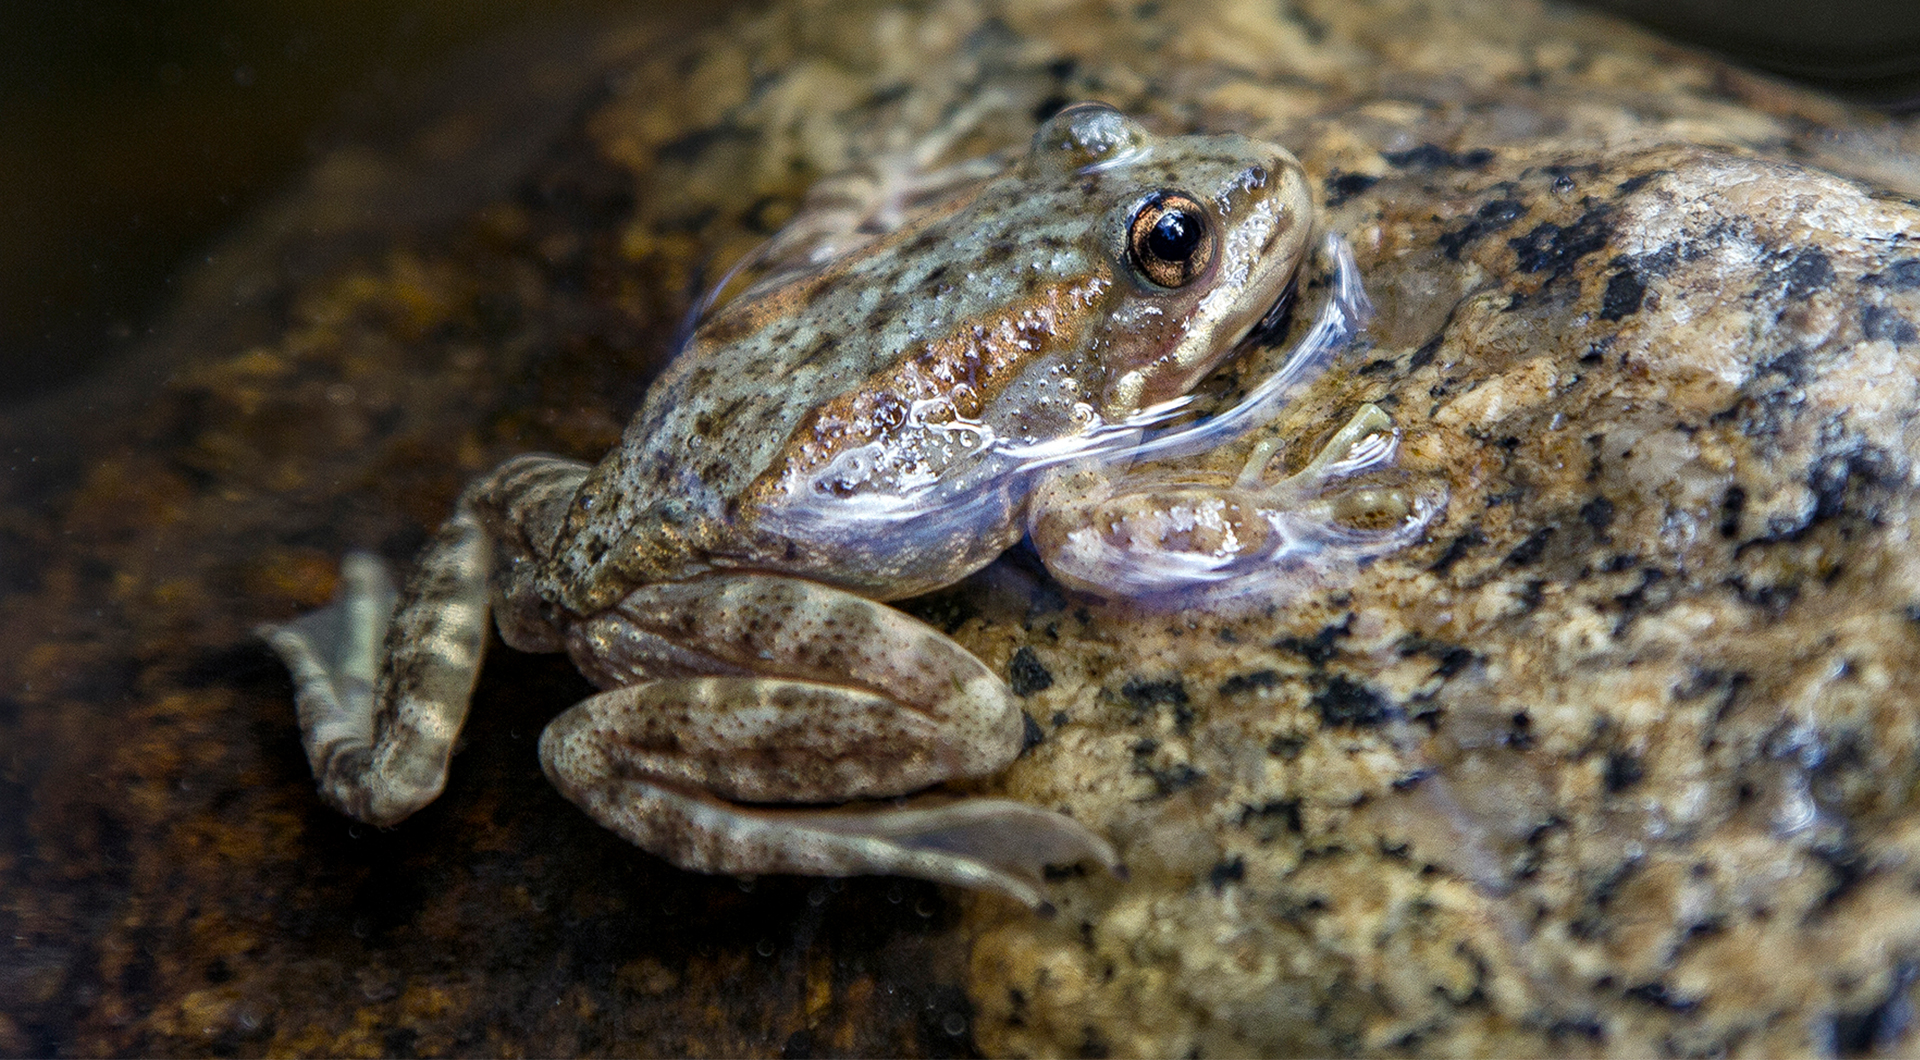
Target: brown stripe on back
x=743 y=316
x=969 y=368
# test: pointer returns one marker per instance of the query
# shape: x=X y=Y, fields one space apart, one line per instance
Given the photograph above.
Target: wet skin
x=871 y=428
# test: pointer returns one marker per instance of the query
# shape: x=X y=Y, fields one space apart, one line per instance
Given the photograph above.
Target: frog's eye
x=1170 y=239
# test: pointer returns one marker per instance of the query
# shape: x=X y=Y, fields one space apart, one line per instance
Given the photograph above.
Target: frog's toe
x=378 y=728
x=987 y=844
x=343 y=637
x=334 y=654
x=1369 y=441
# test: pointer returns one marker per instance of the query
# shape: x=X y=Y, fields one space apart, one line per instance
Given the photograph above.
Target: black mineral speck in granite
x=1026 y=674
x=1343 y=701
x=1490 y=218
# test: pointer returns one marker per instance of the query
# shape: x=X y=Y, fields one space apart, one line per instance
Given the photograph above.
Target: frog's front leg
x=1139 y=534
x=382 y=684
x=731 y=692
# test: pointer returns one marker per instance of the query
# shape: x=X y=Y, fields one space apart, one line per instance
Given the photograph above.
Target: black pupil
x=1175 y=236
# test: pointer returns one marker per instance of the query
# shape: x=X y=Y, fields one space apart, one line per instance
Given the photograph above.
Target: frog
x=866 y=429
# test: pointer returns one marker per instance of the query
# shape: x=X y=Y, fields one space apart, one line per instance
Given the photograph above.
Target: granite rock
x=1621 y=759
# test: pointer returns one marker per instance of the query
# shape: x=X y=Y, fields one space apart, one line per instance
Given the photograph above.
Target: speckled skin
x=1647 y=881
x=718 y=574
x=1013 y=307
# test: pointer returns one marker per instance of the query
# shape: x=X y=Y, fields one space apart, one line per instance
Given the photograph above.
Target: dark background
x=133 y=132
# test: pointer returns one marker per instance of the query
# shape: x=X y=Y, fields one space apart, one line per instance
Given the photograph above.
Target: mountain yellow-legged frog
x=866 y=429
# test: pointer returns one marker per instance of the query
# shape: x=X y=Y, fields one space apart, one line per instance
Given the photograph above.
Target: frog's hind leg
x=382 y=680
x=378 y=728
x=862 y=702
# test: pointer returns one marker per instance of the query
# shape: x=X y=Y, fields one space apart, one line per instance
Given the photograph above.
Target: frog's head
x=1203 y=235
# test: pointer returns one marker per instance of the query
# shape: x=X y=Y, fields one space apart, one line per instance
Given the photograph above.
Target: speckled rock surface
x=1622 y=760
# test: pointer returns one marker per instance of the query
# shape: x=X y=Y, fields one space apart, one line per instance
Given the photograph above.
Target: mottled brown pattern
x=1002 y=303
x=1635 y=659
x=964 y=371
x=758 y=308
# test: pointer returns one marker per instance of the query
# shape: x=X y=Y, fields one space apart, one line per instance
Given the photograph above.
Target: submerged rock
x=1623 y=756
x=1620 y=759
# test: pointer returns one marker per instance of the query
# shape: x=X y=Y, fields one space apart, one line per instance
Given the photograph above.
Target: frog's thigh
x=767 y=688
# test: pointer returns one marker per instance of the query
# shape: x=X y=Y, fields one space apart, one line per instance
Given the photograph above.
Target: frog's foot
x=334 y=656
x=1151 y=534
x=687 y=755
x=378 y=733
x=986 y=844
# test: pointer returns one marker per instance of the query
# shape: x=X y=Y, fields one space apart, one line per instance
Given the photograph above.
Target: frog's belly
x=883 y=552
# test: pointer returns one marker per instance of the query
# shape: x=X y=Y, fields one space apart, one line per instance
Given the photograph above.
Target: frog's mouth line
x=1274 y=323
x=1343 y=317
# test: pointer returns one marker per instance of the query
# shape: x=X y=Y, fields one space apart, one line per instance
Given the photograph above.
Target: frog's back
x=879 y=380
x=773 y=386
x=782 y=382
